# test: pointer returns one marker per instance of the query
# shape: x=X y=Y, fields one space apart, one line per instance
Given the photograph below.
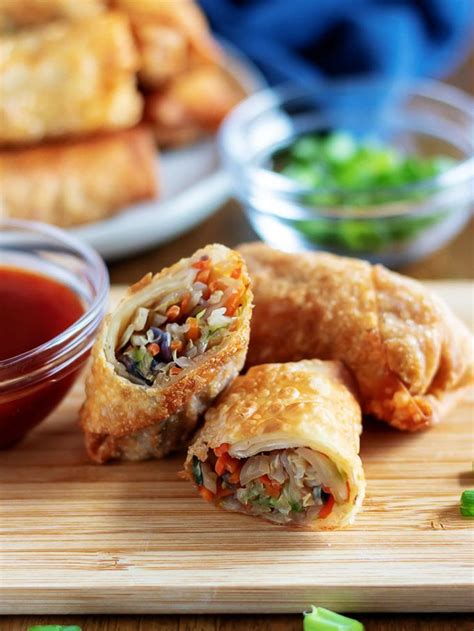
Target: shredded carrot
x=173 y=313
x=348 y=487
x=232 y=303
x=154 y=348
x=234 y=478
x=203 y=276
x=175 y=370
x=222 y=449
x=193 y=332
x=176 y=345
x=203 y=263
x=185 y=302
x=272 y=487
x=206 y=493
x=226 y=463
x=326 y=489
x=327 y=508
x=236 y=272
x=222 y=491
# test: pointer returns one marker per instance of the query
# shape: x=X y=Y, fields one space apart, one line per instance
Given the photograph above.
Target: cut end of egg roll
x=174 y=343
x=192 y=104
x=68 y=78
x=282 y=443
x=69 y=183
x=410 y=356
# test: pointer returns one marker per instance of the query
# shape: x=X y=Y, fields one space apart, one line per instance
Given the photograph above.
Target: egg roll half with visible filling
x=282 y=443
x=410 y=356
x=172 y=345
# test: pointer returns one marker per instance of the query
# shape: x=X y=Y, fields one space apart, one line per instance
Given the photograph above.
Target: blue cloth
x=303 y=40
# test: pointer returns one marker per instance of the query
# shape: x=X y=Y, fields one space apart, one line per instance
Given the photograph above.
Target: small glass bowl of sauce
x=53 y=297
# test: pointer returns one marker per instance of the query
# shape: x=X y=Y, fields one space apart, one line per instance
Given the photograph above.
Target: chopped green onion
x=320 y=619
x=467 y=503
x=54 y=627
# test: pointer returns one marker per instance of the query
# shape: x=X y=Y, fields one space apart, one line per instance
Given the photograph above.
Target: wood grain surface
x=134 y=538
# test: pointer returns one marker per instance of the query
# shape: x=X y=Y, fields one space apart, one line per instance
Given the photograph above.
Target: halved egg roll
x=68 y=78
x=73 y=182
x=410 y=356
x=175 y=341
x=282 y=443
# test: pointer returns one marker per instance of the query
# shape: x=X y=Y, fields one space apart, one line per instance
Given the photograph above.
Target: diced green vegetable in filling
x=320 y=619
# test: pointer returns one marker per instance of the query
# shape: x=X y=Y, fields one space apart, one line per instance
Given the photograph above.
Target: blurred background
x=111 y=117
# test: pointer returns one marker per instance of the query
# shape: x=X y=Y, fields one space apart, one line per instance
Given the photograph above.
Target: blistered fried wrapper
x=307 y=404
x=125 y=420
x=410 y=356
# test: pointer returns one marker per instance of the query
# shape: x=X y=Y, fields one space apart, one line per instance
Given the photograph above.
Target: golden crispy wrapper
x=133 y=422
x=411 y=357
x=171 y=37
x=73 y=182
x=68 y=78
x=192 y=104
x=15 y=14
x=277 y=406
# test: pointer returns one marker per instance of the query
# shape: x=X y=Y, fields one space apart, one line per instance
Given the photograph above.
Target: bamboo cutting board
x=134 y=538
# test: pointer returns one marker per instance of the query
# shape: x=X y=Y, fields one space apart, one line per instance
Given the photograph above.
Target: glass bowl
x=396 y=225
x=33 y=383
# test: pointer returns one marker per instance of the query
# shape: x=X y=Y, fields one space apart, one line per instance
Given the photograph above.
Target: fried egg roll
x=176 y=340
x=68 y=183
x=193 y=104
x=410 y=356
x=68 y=78
x=171 y=37
x=282 y=443
x=15 y=14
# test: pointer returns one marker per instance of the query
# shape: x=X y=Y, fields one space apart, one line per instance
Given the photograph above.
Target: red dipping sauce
x=34 y=309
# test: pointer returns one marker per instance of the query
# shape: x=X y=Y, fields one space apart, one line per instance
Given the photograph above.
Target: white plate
x=192 y=186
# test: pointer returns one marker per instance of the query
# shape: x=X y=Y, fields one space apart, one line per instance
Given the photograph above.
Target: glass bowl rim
x=283 y=186
x=91 y=317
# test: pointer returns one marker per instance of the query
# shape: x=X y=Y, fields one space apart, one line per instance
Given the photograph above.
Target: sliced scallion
x=320 y=619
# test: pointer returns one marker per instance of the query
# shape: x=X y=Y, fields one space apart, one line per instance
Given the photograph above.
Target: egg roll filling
x=169 y=335
x=287 y=485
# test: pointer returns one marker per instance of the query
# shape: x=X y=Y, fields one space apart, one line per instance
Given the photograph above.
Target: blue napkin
x=305 y=40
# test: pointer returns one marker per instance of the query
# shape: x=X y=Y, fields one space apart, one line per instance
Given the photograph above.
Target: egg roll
x=171 y=37
x=193 y=104
x=16 y=14
x=410 y=356
x=69 y=183
x=176 y=340
x=68 y=78
x=282 y=443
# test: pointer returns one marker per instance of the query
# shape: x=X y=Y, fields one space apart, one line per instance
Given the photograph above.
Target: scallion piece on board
x=320 y=619
x=467 y=503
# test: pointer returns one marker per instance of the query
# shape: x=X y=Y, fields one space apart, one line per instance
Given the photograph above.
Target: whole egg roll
x=15 y=14
x=68 y=78
x=171 y=37
x=192 y=104
x=282 y=443
x=68 y=183
x=176 y=340
x=410 y=356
